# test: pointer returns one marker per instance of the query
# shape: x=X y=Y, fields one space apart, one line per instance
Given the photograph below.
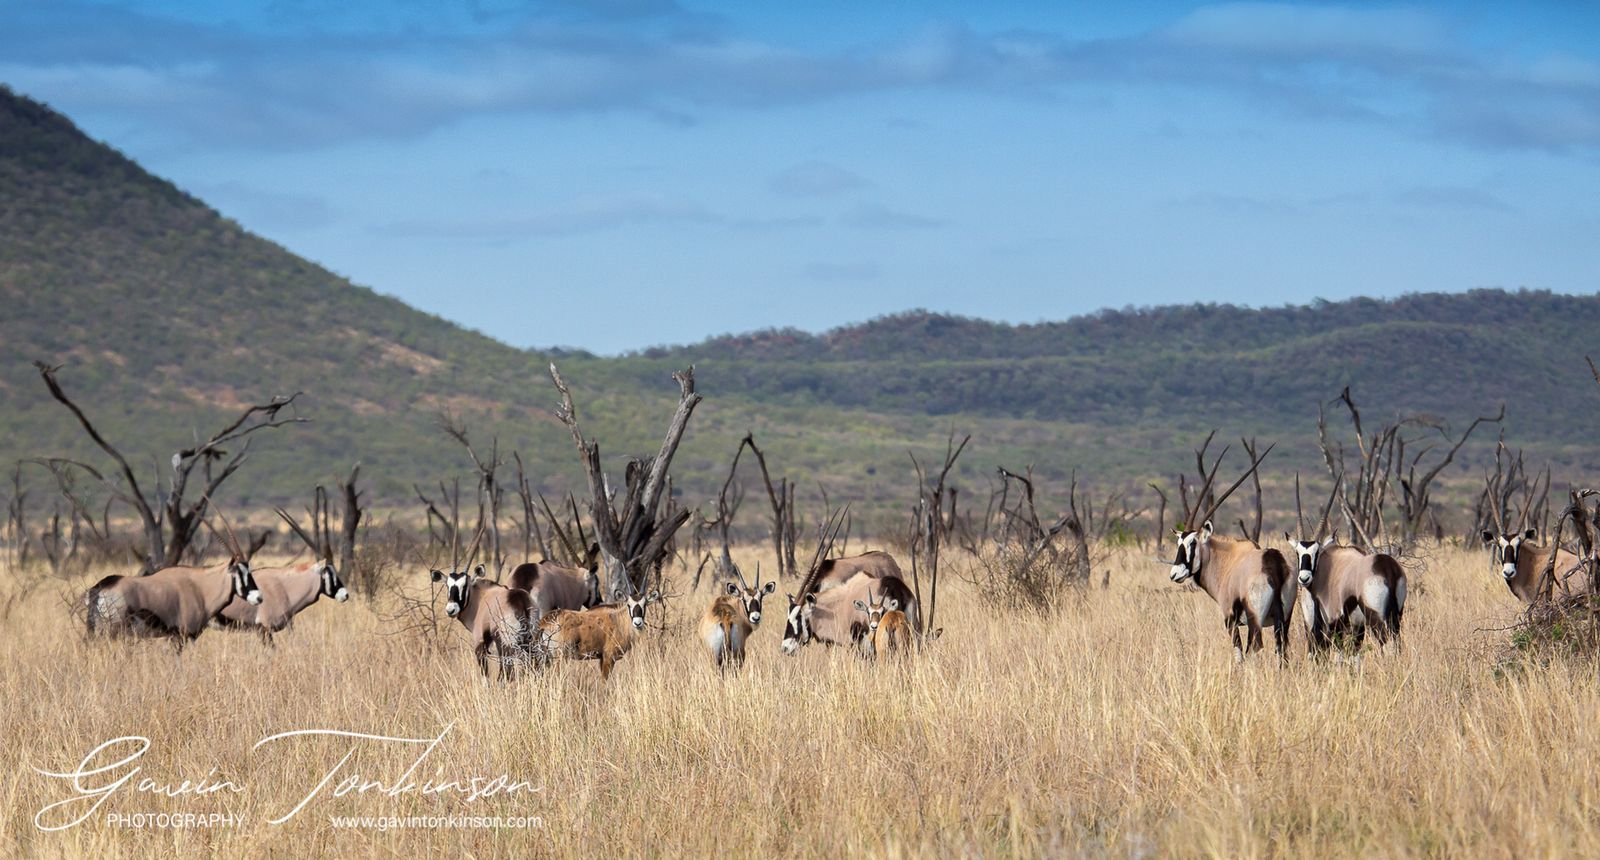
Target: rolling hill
x=168 y=316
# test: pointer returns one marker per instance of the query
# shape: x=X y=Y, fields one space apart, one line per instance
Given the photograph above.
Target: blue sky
x=614 y=174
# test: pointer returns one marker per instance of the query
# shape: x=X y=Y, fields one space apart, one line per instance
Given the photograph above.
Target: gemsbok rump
x=492 y=615
x=731 y=618
x=1522 y=565
x=1348 y=591
x=556 y=587
x=605 y=632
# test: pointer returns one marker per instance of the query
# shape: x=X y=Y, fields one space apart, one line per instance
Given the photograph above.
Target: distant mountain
x=168 y=316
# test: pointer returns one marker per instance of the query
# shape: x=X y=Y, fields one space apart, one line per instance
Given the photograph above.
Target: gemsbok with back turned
x=1348 y=591
x=731 y=618
x=556 y=587
x=1251 y=584
x=177 y=602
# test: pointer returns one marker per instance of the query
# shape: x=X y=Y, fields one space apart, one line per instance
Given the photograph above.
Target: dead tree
x=633 y=541
x=781 y=498
x=1510 y=495
x=1205 y=500
x=1252 y=532
x=490 y=493
x=532 y=533
x=1393 y=454
x=169 y=516
x=17 y=538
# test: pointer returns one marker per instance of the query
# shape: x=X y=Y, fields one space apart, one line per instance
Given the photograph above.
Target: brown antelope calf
x=176 y=602
x=493 y=615
x=830 y=617
x=887 y=628
x=732 y=617
x=604 y=633
x=1348 y=591
x=1251 y=585
x=1523 y=564
x=285 y=591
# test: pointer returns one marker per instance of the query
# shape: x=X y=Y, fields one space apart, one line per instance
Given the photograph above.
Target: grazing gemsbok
x=605 y=632
x=493 y=615
x=1523 y=566
x=176 y=602
x=1251 y=584
x=834 y=572
x=556 y=587
x=1348 y=591
x=887 y=628
x=286 y=590
x=831 y=617
x=732 y=617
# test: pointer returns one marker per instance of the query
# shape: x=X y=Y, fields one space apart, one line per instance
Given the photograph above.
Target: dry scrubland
x=1119 y=727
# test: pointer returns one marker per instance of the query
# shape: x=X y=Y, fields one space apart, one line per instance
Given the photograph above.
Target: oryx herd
x=547 y=611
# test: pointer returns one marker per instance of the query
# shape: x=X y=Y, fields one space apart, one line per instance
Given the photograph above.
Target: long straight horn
x=825 y=538
x=1327 y=510
x=232 y=540
x=1255 y=464
x=1299 y=512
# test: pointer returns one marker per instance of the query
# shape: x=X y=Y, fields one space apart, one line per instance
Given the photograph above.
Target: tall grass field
x=1118 y=725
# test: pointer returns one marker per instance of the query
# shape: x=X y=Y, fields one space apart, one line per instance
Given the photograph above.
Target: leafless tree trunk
x=633 y=543
x=171 y=521
x=489 y=490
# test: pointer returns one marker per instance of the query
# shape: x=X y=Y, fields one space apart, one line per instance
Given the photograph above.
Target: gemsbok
x=831 y=617
x=1348 y=591
x=556 y=587
x=492 y=615
x=285 y=591
x=605 y=632
x=1523 y=565
x=178 y=602
x=731 y=618
x=1251 y=584
x=887 y=628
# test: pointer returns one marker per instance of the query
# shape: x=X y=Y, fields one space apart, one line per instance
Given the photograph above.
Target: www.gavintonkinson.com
x=435 y=822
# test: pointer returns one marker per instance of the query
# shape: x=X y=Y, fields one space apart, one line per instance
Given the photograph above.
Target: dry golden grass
x=1120 y=727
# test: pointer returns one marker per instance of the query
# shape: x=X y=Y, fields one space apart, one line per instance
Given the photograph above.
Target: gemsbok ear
x=1328 y=541
x=1488 y=536
x=654 y=597
x=892 y=604
x=1287 y=538
x=478 y=571
x=437 y=575
x=731 y=588
x=1205 y=531
x=861 y=606
x=811 y=598
x=618 y=596
x=1530 y=534
x=771 y=587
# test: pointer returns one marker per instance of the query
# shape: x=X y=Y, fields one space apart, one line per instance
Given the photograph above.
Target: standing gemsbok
x=887 y=628
x=556 y=587
x=829 y=616
x=1348 y=591
x=1523 y=566
x=731 y=618
x=176 y=602
x=288 y=589
x=493 y=615
x=1251 y=584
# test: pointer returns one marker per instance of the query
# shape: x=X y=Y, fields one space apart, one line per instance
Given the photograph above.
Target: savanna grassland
x=1119 y=726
